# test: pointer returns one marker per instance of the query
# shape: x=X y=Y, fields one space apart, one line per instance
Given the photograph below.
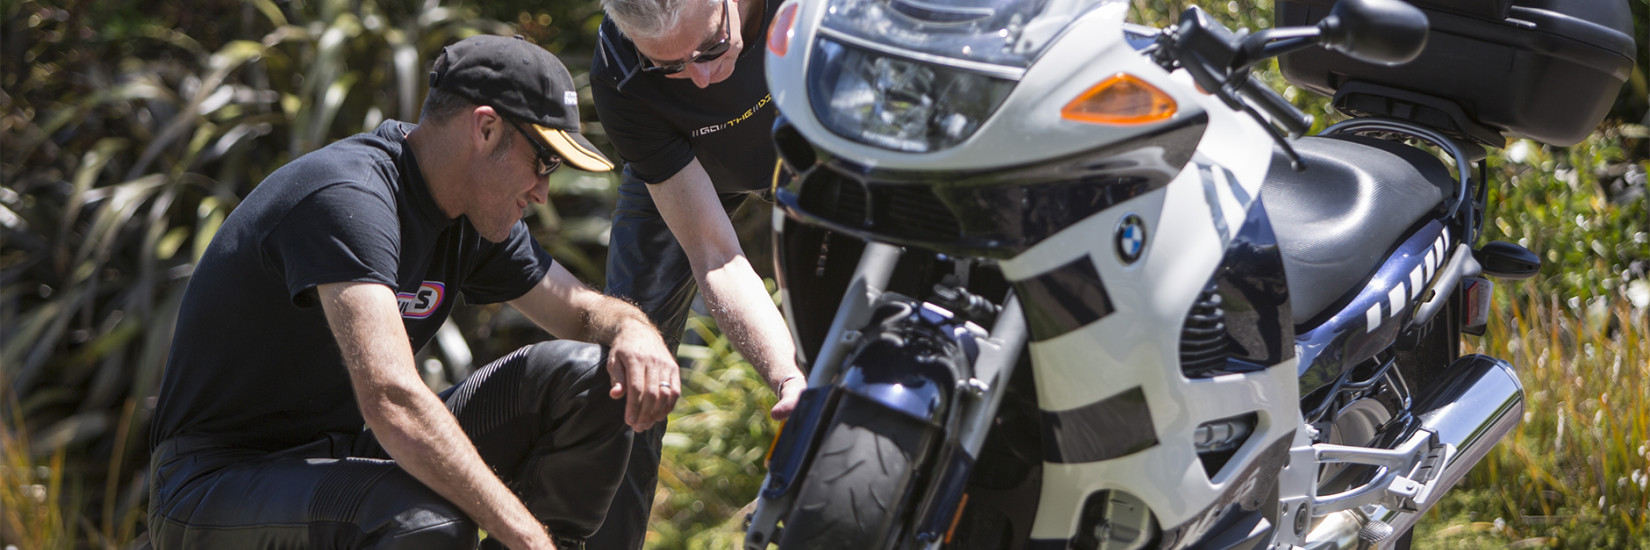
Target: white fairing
x=1136 y=346
x=1189 y=223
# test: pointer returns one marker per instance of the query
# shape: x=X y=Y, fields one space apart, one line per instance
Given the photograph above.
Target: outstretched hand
x=789 y=391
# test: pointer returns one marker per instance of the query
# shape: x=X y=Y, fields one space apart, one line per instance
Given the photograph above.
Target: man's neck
x=435 y=161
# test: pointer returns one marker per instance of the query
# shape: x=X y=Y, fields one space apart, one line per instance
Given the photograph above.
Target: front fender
x=889 y=374
x=909 y=360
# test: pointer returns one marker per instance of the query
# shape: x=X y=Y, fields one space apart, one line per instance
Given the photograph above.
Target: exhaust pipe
x=1472 y=410
x=1477 y=404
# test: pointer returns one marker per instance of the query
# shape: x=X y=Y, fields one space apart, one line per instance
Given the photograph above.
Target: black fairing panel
x=1260 y=326
x=1336 y=221
x=1064 y=299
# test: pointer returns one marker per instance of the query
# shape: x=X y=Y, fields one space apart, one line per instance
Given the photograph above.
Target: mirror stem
x=1274 y=42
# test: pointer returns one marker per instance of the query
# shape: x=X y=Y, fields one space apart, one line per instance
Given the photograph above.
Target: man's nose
x=701 y=73
x=540 y=193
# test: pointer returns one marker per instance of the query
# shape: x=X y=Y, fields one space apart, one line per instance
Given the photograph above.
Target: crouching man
x=291 y=414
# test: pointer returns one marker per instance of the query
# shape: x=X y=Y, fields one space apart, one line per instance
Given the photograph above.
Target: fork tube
x=994 y=369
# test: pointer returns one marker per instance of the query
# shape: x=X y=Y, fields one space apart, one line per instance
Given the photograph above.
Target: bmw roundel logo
x=1131 y=238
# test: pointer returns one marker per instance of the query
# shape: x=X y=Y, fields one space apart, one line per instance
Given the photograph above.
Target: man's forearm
x=426 y=441
x=410 y=421
x=607 y=317
x=744 y=311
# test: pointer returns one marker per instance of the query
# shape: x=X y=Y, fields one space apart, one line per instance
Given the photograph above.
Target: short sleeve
x=505 y=271
x=340 y=233
x=652 y=151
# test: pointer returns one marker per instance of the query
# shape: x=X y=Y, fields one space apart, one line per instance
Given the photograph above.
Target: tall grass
x=1575 y=472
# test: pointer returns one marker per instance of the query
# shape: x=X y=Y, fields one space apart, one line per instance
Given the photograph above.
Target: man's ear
x=486 y=127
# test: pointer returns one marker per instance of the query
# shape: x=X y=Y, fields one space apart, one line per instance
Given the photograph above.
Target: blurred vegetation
x=129 y=130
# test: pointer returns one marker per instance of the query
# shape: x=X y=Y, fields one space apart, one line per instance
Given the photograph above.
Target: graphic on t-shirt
x=418 y=305
x=736 y=120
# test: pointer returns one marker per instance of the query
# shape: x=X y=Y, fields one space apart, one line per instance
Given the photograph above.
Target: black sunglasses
x=705 y=55
x=548 y=160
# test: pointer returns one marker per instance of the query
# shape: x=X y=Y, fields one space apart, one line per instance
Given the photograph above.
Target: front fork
x=965 y=426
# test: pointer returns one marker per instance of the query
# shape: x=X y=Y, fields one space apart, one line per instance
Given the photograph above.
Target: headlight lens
x=896 y=103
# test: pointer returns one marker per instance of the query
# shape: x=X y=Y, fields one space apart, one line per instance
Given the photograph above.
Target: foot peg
x=1374 y=531
x=1404 y=480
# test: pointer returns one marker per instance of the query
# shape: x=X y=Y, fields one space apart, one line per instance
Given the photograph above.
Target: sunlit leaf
x=270 y=11
x=168 y=245
x=210 y=215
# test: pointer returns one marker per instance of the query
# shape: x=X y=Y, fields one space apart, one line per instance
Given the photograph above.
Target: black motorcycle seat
x=1338 y=219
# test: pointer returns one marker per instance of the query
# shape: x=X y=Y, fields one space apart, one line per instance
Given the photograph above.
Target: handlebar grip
x=1275 y=106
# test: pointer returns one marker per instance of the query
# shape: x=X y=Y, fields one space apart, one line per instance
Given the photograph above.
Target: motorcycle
x=1064 y=281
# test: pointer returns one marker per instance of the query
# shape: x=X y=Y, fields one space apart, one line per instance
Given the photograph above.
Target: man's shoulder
x=354 y=171
x=365 y=161
x=616 y=58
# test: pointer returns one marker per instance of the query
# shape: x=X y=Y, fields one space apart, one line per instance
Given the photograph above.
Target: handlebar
x=1220 y=61
x=1274 y=106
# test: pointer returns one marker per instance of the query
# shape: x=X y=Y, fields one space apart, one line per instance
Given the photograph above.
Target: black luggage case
x=1547 y=70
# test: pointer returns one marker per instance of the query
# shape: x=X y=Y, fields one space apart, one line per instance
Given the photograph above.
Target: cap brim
x=575 y=149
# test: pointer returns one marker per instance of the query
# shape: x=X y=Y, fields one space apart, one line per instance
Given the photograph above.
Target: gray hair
x=648 y=19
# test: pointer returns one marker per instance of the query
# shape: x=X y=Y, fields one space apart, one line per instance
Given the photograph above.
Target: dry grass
x=1574 y=474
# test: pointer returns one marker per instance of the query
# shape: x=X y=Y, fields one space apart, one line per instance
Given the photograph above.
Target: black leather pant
x=540 y=417
x=646 y=265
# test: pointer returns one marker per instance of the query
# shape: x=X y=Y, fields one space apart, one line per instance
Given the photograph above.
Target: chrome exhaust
x=1477 y=404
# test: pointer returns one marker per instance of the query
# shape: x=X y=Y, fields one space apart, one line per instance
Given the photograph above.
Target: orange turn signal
x=784 y=25
x=1122 y=99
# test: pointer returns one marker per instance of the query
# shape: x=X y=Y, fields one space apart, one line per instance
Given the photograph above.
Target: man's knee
x=569 y=365
x=454 y=532
x=400 y=513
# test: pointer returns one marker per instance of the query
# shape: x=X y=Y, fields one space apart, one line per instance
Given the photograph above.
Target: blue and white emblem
x=1131 y=238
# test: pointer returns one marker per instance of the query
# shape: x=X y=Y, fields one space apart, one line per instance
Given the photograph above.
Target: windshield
x=998 y=32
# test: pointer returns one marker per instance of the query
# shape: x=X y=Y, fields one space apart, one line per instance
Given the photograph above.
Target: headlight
x=898 y=103
x=1008 y=33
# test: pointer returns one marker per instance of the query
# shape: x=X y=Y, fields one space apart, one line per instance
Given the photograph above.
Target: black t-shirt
x=660 y=124
x=253 y=362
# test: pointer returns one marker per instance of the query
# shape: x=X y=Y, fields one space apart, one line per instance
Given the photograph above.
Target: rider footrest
x=1415 y=490
x=1405 y=477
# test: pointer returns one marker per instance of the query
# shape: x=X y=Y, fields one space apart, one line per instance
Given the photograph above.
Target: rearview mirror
x=1387 y=32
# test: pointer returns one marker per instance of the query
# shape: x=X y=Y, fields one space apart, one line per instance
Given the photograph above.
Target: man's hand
x=790 y=389
x=644 y=374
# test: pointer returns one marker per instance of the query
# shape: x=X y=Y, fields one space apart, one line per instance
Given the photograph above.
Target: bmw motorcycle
x=1064 y=281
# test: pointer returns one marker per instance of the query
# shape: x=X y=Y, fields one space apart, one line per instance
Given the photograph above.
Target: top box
x=1547 y=70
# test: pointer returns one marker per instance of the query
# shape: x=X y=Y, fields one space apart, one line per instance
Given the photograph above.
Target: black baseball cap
x=522 y=81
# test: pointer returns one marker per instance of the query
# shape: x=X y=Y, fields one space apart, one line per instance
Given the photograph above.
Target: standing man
x=680 y=90
x=300 y=323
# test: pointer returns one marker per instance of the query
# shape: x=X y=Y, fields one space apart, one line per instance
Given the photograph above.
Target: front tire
x=853 y=495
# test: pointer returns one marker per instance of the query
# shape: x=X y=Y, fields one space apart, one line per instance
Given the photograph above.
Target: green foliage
x=715 y=448
x=1574 y=473
x=130 y=133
